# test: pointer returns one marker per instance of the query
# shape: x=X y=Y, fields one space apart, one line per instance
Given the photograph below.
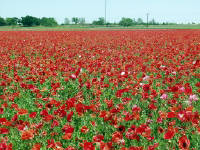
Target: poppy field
x=100 y=90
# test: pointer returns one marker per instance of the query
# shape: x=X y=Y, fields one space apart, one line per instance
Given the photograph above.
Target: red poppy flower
x=153 y=147
x=136 y=148
x=197 y=84
x=84 y=129
x=22 y=111
x=174 y=88
x=54 y=124
x=36 y=146
x=5 y=146
x=51 y=143
x=184 y=143
x=68 y=129
x=2 y=120
x=169 y=134
x=88 y=146
x=80 y=109
x=98 y=138
x=14 y=118
x=120 y=92
x=121 y=128
x=69 y=116
x=67 y=136
x=152 y=106
x=48 y=105
x=48 y=118
x=70 y=148
x=4 y=131
x=109 y=103
x=117 y=137
x=146 y=87
x=27 y=135
x=160 y=130
x=44 y=112
x=171 y=115
x=1 y=111
x=33 y=114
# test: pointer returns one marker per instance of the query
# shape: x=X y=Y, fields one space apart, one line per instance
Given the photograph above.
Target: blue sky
x=161 y=10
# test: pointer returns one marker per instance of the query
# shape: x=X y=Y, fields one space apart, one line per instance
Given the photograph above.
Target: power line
x=147 y=20
x=105 y=10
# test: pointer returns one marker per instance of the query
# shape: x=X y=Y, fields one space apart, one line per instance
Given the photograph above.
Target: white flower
x=162 y=66
x=122 y=73
x=81 y=70
x=141 y=84
x=25 y=128
x=193 y=98
x=174 y=72
x=73 y=76
x=164 y=96
x=180 y=115
x=182 y=89
x=146 y=78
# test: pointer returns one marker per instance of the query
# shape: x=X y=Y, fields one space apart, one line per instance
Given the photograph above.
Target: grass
x=94 y=27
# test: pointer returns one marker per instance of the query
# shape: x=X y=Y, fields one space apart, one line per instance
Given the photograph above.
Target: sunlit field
x=84 y=27
x=100 y=90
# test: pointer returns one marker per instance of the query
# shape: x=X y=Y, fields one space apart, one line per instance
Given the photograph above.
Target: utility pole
x=147 y=20
x=105 y=10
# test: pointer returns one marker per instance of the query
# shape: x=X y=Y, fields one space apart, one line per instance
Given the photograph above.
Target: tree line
x=28 y=21
x=45 y=21
x=123 y=22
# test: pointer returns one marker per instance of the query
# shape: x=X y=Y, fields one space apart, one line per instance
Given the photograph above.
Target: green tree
x=126 y=22
x=82 y=21
x=30 y=21
x=134 y=21
x=75 y=20
x=152 y=22
x=66 y=21
x=48 y=22
x=19 y=21
x=100 y=21
x=2 y=21
x=140 y=21
x=12 y=21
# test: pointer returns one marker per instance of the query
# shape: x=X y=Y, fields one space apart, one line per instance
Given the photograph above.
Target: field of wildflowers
x=103 y=90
